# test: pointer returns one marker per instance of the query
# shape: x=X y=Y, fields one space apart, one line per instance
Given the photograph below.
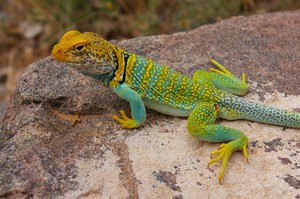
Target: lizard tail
x=233 y=107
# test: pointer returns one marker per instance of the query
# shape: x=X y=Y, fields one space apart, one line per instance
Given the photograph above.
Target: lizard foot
x=223 y=71
x=224 y=152
x=125 y=121
x=228 y=81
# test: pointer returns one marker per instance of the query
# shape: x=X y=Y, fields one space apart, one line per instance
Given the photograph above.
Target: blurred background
x=29 y=28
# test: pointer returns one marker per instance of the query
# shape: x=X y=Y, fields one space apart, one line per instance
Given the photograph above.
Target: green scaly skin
x=143 y=82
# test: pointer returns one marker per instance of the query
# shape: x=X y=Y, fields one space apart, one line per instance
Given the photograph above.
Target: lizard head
x=87 y=52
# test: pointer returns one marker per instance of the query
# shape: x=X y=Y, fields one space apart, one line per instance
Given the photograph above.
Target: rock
x=43 y=156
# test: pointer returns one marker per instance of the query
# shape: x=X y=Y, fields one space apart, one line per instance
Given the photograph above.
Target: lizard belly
x=166 y=109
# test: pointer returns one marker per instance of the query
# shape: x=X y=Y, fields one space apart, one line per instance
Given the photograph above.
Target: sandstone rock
x=43 y=156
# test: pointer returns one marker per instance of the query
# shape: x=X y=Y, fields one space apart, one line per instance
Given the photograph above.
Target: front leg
x=138 y=111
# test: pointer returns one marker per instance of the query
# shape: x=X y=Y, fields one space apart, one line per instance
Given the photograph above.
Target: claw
x=222 y=70
x=217 y=71
x=125 y=121
x=245 y=153
x=244 y=77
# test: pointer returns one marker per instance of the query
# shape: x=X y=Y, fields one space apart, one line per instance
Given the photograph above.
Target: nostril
x=56 y=50
x=56 y=53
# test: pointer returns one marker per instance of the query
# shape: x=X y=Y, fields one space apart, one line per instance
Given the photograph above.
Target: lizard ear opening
x=79 y=47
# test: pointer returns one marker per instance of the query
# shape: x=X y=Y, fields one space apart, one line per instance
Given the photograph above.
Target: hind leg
x=200 y=125
x=222 y=79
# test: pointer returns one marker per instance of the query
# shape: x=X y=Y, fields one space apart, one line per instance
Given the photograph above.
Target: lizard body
x=203 y=99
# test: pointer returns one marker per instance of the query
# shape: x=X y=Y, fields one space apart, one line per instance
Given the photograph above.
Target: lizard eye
x=79 y=48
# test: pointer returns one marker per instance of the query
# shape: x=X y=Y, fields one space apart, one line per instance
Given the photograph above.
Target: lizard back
x=162 y=84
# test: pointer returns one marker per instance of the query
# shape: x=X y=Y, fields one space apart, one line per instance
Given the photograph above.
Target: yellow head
x=89 y=53
x=82 y=47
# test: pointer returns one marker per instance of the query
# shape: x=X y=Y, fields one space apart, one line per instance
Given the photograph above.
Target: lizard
x=204 y=98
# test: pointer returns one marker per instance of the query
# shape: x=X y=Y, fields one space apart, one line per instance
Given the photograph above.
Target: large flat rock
x=43 y=156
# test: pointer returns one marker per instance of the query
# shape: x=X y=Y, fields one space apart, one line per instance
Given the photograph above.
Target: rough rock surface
x=43 y=156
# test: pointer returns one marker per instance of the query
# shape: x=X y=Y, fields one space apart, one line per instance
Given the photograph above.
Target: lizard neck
x=104 y=78
x=116 y=74
x=120 y=61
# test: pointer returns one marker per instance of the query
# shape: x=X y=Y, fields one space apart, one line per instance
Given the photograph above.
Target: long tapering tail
x=234 y=107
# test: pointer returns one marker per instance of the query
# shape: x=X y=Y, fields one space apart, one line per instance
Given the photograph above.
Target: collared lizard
x=209 y=95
